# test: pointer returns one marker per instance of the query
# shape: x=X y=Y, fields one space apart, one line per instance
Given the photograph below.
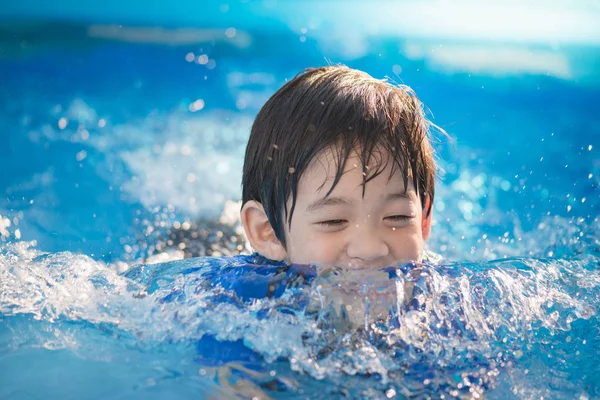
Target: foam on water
x=199 y=158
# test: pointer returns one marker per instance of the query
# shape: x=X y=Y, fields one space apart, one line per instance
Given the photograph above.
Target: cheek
x=314 y=248
x=408 y=245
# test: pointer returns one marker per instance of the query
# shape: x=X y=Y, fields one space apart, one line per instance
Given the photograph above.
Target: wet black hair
x=342 y=109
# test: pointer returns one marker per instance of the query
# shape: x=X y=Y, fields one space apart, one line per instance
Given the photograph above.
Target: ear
x=426 y=220
x=260 y=233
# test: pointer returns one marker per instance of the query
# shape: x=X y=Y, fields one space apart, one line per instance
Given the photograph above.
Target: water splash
x=461 y=330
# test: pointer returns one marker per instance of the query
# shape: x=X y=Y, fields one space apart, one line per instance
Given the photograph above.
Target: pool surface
x=122 y=141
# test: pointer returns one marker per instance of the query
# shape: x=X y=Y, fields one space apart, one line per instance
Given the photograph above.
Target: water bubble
x=390 y=393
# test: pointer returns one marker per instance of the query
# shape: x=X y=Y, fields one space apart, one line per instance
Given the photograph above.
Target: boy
x=339 y=171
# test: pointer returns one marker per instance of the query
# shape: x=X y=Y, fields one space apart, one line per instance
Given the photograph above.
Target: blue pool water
x=122 y=147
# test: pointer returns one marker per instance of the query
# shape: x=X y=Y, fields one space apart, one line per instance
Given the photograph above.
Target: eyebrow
x=337 y=201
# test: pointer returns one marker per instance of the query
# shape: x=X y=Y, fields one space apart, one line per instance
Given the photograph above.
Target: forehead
x=320 y=174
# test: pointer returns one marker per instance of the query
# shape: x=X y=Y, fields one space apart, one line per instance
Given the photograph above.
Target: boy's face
x=385 y=227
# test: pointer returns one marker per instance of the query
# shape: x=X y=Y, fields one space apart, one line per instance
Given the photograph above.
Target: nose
x=366 y=245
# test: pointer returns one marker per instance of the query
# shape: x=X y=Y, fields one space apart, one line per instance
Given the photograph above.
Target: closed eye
x=399 y=218
x=333 y=222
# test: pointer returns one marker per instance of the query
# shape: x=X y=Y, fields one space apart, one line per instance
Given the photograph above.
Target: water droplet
x=81 y=155
x=518 y=354
x=186 y=150
x=240 y=104
x=230 y=32
x=202 y=59
x=196 y=105
x=62 y=123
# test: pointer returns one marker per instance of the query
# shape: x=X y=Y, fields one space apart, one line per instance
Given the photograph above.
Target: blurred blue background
x=121 y=118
